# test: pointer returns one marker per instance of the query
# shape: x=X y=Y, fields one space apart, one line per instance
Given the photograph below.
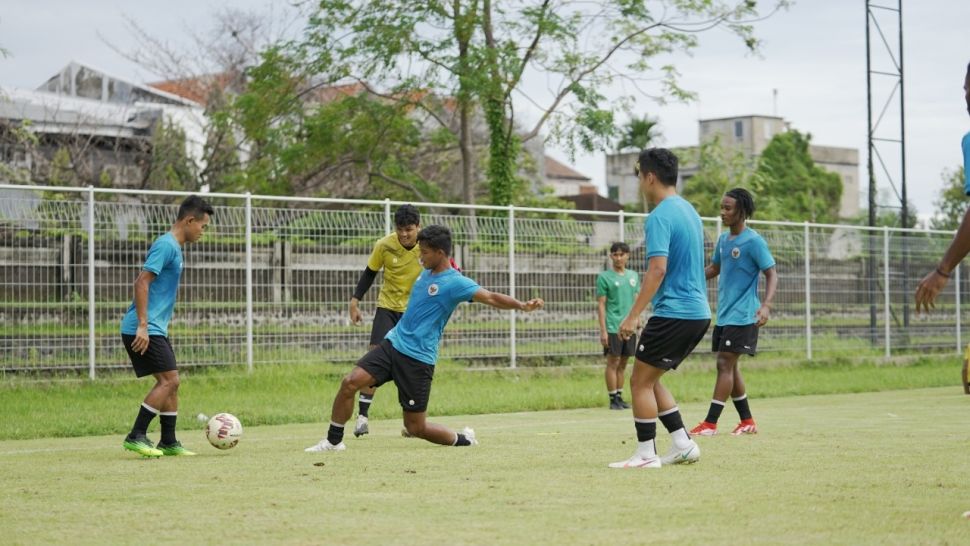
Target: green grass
x=878 y=468
x=279 y=394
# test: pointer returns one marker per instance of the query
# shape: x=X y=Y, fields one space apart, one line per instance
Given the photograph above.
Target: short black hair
x=195 y=206
x=436 y=237
x=619 y=246
x=659 y=161
x=407 y=215
x=744 y=200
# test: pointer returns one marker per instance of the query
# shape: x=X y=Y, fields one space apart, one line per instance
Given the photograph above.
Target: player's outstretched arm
x=935 y=280
x=501 y=301
x=712 y=271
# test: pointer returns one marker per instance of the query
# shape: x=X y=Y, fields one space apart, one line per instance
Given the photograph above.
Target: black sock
x=145 y=415
x=646 y=429
x=619 y=394
x=741 y=404
x=363 y=404
x=168 y=427
x=714 y=413
x=613 y=395
x=671 y=419
x=461 y=440
x=335 y=434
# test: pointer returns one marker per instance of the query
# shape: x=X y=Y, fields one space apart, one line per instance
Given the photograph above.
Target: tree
x=718 y=170
x=638 y=133
x=952 y=203
x=480 y=51
x=790 y=186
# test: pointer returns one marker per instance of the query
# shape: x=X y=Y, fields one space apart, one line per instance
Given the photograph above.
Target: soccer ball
x=223 y=431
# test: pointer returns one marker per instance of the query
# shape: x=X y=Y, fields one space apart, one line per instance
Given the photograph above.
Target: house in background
x=751 y=135
x=564 y=180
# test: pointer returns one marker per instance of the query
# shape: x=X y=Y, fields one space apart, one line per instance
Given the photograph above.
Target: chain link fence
x=271 y=280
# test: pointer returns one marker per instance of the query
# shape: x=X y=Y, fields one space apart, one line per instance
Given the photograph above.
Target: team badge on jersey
x=433 y=290
x=394 y=260
x=735 y=253
x=633 y=282
x=616 y=283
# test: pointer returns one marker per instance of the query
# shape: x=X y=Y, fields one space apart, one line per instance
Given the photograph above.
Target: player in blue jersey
x=144 y=329
x=408 y=353
x=740 y=256
x=935 y=280
x=675 y=285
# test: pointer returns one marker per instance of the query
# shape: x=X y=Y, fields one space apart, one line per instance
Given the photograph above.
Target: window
x=87 y=84
x=738 y=130
x=767 y=129
x=613 y=192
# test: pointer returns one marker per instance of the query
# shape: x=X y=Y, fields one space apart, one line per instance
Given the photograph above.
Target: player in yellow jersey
x=398 y=255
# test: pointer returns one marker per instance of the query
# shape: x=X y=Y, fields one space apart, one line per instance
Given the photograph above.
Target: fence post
x=622 y=227
x=387 y=215
x=956 y=274
x=92 y=319
x=512 y=350
x=887 y=302
x=808 y=294
x=249 y=282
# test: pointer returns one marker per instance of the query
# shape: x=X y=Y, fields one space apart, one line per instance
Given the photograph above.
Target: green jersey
x=621 y=291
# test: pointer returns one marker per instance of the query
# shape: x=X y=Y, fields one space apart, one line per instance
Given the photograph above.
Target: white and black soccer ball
x=223 y=431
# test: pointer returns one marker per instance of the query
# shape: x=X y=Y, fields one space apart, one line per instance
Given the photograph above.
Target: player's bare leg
x=620 y=379
x=724 y=386
x=740 y=397
x=363 y=406
x=612 y=366
x=417 y=425
x=343 y=409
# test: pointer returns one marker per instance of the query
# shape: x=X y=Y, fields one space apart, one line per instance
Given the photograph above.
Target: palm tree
x=638 y=133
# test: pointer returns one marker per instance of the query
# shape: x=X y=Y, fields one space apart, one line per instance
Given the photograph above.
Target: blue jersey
x=165 y=261
x=674 y=230
x=966 y=163
x=742 y=259
x=433 y=300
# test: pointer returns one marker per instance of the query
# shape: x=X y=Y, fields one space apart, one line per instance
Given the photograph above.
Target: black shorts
x=411 y=377
x=384 y=320
x=158 y=358
x=618 y=347
x=735 y=339
x=666 y=342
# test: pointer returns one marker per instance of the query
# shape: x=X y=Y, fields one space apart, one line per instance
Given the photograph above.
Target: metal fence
x=271 y=280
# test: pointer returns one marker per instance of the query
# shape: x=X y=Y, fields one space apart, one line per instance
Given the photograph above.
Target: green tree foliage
x=719 y=169
x=351 y=145
x=952 y=203
x=479 y=51
x=788 y=185
x=638 y=133
x=170 y=167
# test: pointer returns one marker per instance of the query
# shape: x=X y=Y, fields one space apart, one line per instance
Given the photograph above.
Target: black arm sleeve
x=365 y=282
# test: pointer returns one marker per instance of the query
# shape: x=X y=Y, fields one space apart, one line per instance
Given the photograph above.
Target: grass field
x=872 y=468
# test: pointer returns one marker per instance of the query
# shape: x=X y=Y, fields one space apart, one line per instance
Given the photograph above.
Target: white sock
x=681 y=439
x=646 y=450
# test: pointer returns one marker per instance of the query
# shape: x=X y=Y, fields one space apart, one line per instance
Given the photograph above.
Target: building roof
x=197 y=88
x=555 y=169
x=595 y=202
x=742 y=117
x=87 y=82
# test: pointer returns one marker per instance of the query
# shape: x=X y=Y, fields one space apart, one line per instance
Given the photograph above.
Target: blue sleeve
x=763 y=256
x=966 y=163
x=465 y=290
x=658 y=236
x=158 y=257
x=716 y=256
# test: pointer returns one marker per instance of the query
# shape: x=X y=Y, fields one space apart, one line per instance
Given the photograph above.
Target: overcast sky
x=813 y=54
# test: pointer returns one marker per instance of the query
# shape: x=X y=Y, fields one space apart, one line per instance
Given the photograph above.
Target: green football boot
x=174 y=450
x=142 y=446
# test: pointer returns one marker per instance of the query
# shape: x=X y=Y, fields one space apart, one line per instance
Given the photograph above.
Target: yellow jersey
x=401 y=267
